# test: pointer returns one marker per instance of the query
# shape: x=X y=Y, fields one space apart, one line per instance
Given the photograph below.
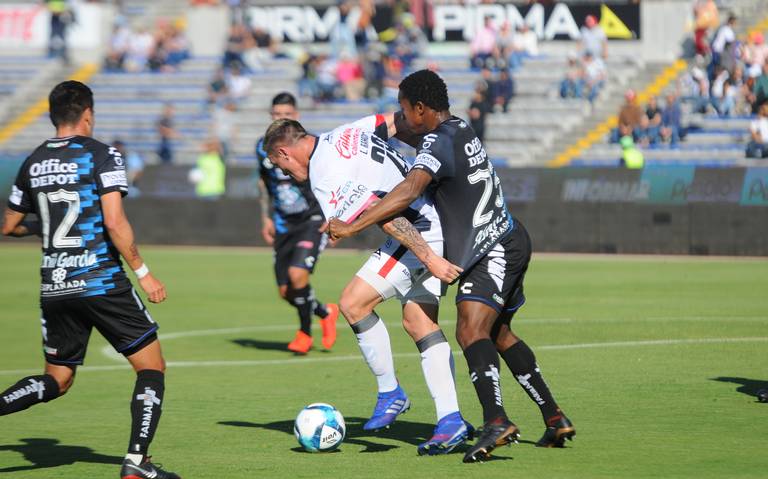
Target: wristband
x=142 y=271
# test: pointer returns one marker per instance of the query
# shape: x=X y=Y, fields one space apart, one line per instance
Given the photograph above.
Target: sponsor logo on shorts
x=50 y=351
x=497 y=298
x=305 y=244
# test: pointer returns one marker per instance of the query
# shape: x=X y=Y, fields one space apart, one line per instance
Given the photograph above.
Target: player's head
x=282 y=144
x=422 y=96
x=284 y=106
x=71 y=105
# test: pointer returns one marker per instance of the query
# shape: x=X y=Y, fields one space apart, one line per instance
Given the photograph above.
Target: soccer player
x=348 y=169
x=294 y=231
x=491 y=247
x=75 y=184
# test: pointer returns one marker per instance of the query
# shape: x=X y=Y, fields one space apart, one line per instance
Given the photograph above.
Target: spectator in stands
x=141 y=46
x=644 y=134
x=755 y=54
x=342 y=37
x=525 y=44
x=594 y=75
x=759 y=94
x=630 y=116
x=758 y=129
x=505 y=89
x=722 y=95
x=593 y=39
x=263 y=48
x=238 y=85
x=483 y=45
x=488 y=85
x=224 y=127
x=134 y=167
x=238 y=41
x=478 y=109
x=706 y=18
x=393 y=74
x=349 y=74
x=654 y=112
x=209 y=174
x=573 y=84
x=326 y=78
x=671 y=120
x=176 y=46
x=118 y=47
x=724 y=36
x=308 y=81
x=696 y=85
x=61 y=17
x=167 y=133
x=410 y=41
x=217 y=89
x=363 y=27
x=505 y=44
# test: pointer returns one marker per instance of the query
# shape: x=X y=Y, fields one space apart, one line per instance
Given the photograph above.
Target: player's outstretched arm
x=403 y=231
x=15 y=224
x=121 y=233
x=393 y=203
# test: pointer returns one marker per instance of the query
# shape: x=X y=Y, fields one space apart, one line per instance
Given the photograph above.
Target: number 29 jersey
x=62 y=182
x=466 y=189
x=353 y=166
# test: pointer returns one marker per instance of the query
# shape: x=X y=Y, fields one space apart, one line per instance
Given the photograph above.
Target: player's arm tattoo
x=403 y=231
x=263 y=199
x=133 y=252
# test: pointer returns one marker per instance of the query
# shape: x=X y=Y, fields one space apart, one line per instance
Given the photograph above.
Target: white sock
x=373 y=340
x=137 y=459
x=437 y=365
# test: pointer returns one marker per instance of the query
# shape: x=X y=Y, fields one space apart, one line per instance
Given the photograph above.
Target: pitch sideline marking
x=110 y=353
x=356 y=357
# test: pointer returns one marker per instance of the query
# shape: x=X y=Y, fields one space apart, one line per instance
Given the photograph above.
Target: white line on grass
x=356 y=357
x=110 y=353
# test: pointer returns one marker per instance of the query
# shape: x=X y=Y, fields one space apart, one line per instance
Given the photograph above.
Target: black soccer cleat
x=145 y=470
x=762 y=395
x=557 y=433
x=497 y=432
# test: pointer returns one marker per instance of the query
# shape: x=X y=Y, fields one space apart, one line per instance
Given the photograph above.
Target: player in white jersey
x=349 y=169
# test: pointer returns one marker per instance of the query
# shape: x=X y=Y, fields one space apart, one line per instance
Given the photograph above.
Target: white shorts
x=393 y=270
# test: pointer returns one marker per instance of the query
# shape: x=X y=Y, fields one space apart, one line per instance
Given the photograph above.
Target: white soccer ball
x=319 y=427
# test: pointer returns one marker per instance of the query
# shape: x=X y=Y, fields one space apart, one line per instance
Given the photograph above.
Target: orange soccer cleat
x=301 y=344
x=328 y=324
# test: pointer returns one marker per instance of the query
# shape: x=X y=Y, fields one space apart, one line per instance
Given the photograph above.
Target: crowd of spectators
x=136 y=48
x=586 y=73
x=654 y=124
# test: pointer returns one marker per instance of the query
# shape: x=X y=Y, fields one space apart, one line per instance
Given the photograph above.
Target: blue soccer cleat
x=388 y=406
x=451 y=431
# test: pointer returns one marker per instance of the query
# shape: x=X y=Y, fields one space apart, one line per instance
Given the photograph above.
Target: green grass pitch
x=656 y=360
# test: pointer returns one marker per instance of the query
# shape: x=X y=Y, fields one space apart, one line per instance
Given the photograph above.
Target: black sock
x=319 y=308
x=146 y=406
x=522 y=363
x=28 y=392
x=483 y=362
x=302 y=300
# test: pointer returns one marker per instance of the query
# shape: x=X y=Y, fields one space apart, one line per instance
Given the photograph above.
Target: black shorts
x=121 y=318
x=300 y=246
x=497 y=279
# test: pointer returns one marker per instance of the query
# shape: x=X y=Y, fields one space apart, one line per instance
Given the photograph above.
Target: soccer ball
x=319 y=427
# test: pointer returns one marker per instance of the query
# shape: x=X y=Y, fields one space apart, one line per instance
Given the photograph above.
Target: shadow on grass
x=750 y=387
x=412 y=433
x=265 y=345
x=47 y=452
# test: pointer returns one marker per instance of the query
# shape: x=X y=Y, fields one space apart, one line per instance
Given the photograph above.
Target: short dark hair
x=67 y=102
x=427 y=87
x=284 y=98
x=281 y=132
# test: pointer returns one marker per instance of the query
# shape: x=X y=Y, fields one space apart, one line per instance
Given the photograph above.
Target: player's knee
x=351 y=308
x=466 y=335
x=64 y=384
x=298 y=277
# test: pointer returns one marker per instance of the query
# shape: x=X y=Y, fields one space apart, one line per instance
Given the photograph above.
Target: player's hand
x=324 y=229
x=443 y=269
x=338 y=229
x=154 y=288
x=268 y=231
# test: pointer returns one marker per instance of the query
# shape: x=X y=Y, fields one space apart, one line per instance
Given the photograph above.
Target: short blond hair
x=282 y=132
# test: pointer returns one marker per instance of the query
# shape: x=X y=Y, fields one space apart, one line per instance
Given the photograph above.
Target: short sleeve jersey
x=62 y=182
x=466 y=190
x=353 y=166
x=292 y=202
